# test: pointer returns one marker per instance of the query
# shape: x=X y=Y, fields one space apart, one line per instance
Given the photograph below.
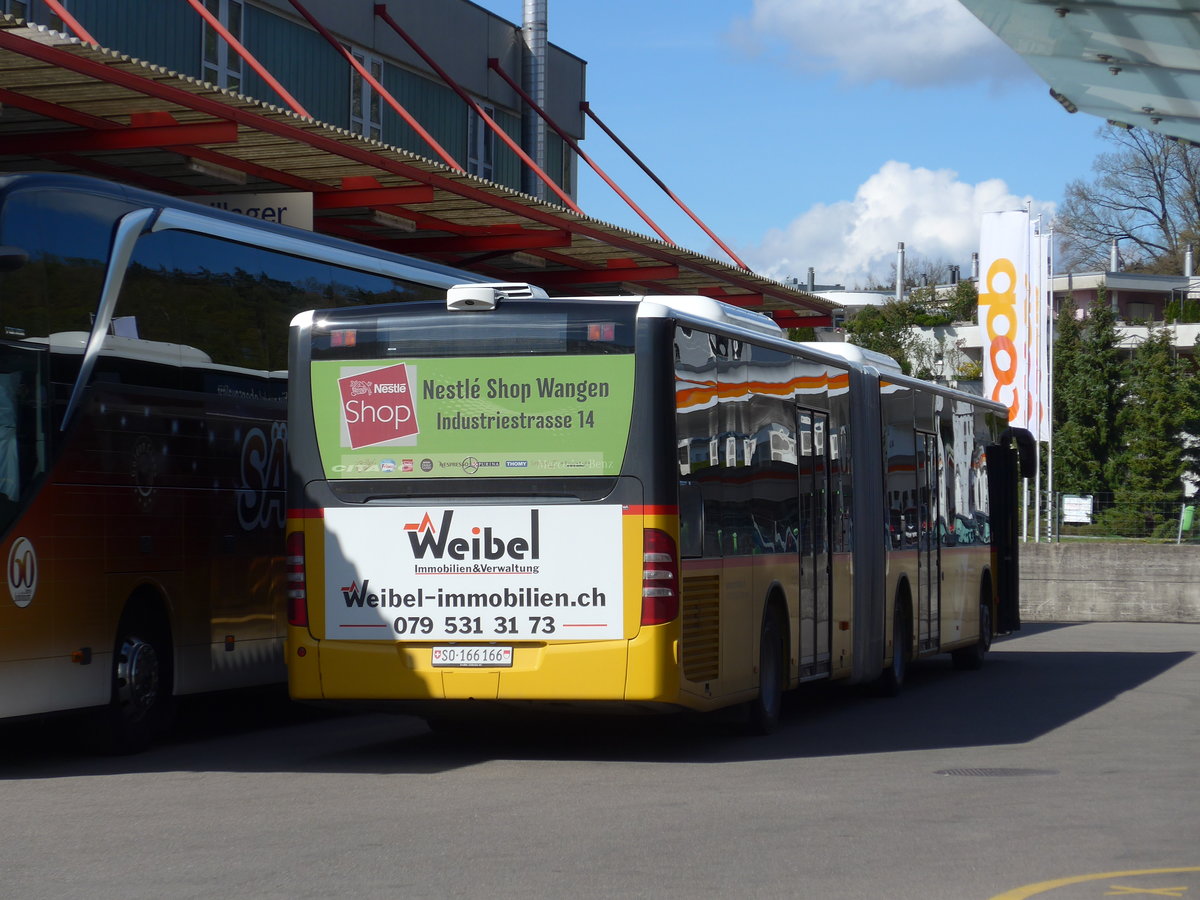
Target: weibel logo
x=378 y=406
x=425 y=538
x=22 y=572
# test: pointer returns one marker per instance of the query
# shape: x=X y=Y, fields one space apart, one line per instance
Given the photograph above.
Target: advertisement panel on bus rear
x=454 y=418
x=478 y=573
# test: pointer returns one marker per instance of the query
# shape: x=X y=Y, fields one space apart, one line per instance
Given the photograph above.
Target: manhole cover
x=995 y=773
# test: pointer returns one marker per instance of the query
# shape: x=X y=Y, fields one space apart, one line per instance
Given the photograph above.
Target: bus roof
x=854 y=353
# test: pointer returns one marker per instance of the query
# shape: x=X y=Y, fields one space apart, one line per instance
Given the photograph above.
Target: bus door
x=929 y=580
x=815 y=565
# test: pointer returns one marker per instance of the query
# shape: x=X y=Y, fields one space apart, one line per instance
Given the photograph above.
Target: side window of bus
x=900 y=442
x=773 y=478
x=188 y=300
x=230 y=304
x=65 y=237
x=697 y=427
x=734 y=447
x=50 y=283
x=980 y=497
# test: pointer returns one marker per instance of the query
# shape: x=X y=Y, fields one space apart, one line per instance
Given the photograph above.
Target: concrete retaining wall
x=1082 y=581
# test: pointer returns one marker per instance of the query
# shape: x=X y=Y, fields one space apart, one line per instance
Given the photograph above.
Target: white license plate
x=473 y=657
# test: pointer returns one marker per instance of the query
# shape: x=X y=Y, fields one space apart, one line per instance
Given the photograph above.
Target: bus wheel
x=765 y=709
x=892 y=679
x=972 y=657
x=141 y=704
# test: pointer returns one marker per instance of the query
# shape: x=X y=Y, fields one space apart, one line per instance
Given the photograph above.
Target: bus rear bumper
x=643 y=669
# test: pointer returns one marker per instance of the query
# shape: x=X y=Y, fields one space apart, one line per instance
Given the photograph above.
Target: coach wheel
x=892 y=680
x=972 y=657
x=765 y=709
x=141 y=704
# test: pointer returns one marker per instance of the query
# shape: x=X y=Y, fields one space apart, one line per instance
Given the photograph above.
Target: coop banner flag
x=1004 y=312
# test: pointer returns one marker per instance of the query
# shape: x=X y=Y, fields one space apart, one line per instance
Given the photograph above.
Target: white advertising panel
x=470 y=573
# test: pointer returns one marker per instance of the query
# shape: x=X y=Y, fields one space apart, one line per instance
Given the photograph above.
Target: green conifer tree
x=1089 y=389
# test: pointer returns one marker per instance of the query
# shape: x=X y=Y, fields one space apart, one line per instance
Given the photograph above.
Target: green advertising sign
x=510 y=416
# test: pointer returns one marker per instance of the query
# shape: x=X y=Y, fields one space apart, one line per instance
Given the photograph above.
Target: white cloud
x=915 y=43
x=932 y=212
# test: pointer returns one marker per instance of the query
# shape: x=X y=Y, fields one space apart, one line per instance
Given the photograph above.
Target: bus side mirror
x=691 y=520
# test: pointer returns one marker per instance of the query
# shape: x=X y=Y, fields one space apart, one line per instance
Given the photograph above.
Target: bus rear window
x=426 y=330
x=534 y=392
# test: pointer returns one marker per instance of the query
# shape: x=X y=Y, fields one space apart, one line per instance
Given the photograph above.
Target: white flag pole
x=1051 y=506
x=1033 y=369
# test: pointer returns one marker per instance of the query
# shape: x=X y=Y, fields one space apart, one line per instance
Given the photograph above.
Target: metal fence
x=1162 y=519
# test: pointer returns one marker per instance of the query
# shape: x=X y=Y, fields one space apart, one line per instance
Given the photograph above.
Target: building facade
x=460 y=37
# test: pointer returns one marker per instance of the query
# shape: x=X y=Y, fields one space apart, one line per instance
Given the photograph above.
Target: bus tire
x=766 y=708
x=891 y=682
x=142 y=702
x=971 y=658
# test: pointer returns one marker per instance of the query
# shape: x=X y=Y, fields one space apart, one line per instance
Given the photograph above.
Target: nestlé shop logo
x=378 y=406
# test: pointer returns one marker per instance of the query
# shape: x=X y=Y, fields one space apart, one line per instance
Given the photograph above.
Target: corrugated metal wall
x=507 y=169
x=302 y=61
x=431 y=103
x=166 y=34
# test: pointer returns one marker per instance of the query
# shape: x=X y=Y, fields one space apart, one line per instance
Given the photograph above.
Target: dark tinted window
x=575 y=329
x=230 y=304
x=66 y=236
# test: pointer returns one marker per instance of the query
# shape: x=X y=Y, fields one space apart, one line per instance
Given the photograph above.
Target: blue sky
x=816 y=132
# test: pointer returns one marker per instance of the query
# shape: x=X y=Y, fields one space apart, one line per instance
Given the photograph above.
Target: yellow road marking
x=1030 y=890
x=1119 y=891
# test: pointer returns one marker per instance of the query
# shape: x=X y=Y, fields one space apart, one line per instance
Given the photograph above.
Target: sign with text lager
x=293 y=208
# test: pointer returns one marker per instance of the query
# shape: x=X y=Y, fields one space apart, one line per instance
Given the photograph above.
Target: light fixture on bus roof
x=487 y=296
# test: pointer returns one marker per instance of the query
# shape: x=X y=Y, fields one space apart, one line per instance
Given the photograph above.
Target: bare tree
x=1146 y=195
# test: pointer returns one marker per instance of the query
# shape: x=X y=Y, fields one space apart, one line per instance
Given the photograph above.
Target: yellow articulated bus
x=641 y=503
x=143 y=390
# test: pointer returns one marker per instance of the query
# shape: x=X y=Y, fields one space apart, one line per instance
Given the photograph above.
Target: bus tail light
x=660 y=577
x=297 y=581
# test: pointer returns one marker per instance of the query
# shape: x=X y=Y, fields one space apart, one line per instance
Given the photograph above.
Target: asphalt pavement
x=1068 y=767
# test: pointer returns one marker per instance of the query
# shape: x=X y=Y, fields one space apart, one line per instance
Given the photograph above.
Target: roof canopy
x=69 y=106
x=1133 y=62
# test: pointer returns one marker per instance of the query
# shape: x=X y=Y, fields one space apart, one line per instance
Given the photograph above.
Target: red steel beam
x=608 y=276
x=722 y=294
x=71 y=22
x=119 y=174
x=245 y=54
x=494 y=65
x=381 y=12
x=587 y=109
x=53 y=110
x=344 y=199
x=478 y=243
x=133 y=138
x=253 y=119
x=379 y=88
